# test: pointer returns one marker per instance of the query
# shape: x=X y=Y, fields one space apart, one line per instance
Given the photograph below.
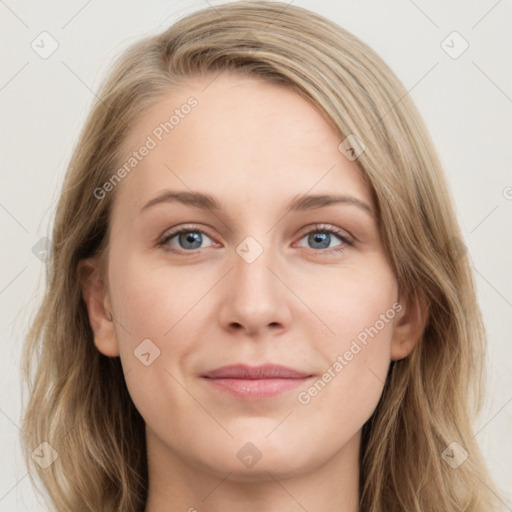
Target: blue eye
x=186 y=238
x=190 y=238
x=322 y=239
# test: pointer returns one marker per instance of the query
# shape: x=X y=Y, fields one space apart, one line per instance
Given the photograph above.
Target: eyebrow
x=301 y=203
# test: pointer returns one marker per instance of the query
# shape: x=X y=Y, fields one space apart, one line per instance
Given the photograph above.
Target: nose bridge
x=252 y=261
x=256 y=297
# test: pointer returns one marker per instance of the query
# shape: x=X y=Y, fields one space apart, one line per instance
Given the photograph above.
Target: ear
x=96 y=298
x=410 y=322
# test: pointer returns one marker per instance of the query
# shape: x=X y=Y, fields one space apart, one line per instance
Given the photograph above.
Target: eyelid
x=180 y=229
x=329 y=228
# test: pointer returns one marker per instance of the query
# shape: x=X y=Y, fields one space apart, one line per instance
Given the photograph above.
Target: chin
x=246 y=461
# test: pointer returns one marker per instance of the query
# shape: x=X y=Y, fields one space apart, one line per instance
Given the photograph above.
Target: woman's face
x=282 y=265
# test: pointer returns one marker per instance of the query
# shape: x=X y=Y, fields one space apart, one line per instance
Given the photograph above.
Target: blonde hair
x=79 y=402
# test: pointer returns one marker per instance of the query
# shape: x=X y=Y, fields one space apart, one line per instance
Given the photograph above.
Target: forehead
x=238 y=138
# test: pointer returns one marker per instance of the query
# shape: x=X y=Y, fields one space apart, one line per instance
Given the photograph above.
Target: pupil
x=192 y=238
x=321 y=239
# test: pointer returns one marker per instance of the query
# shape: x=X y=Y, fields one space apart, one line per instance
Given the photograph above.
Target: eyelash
x=317 y=228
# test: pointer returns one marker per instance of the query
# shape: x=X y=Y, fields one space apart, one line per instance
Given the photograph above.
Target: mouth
x=255 y=382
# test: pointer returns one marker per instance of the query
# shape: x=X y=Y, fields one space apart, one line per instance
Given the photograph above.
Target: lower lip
x=255 y=389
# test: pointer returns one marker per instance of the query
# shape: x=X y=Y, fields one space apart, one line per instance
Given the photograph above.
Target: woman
x=259 y=297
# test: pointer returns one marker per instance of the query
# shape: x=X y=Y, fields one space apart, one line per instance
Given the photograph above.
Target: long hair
x=78 y=400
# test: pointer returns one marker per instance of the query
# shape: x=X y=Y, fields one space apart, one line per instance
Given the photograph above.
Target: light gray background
x=466 y=103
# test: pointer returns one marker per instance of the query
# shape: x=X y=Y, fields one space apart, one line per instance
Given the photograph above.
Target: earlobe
x=99 y=309
x=409 y=326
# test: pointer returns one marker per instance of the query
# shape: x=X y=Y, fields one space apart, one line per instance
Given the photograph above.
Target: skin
x=255 y=147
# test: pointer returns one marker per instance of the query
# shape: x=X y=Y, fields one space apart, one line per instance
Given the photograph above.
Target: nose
x=256 y=300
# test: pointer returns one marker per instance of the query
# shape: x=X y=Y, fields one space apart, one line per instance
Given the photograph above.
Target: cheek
x=166 y=306
x=356 y=303
x=344 y=396
x=151 y=301
x=360 y=307
x=156 y=312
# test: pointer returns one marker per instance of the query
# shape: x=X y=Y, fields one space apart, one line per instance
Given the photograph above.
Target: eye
x=322 y=237
x=190 y=238
x=185 y=239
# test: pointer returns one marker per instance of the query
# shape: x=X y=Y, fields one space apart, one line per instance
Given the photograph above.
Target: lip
x=255 y=382
x=244 y=371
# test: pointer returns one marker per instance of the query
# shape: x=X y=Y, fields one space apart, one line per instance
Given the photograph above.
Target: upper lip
x=244 y=371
